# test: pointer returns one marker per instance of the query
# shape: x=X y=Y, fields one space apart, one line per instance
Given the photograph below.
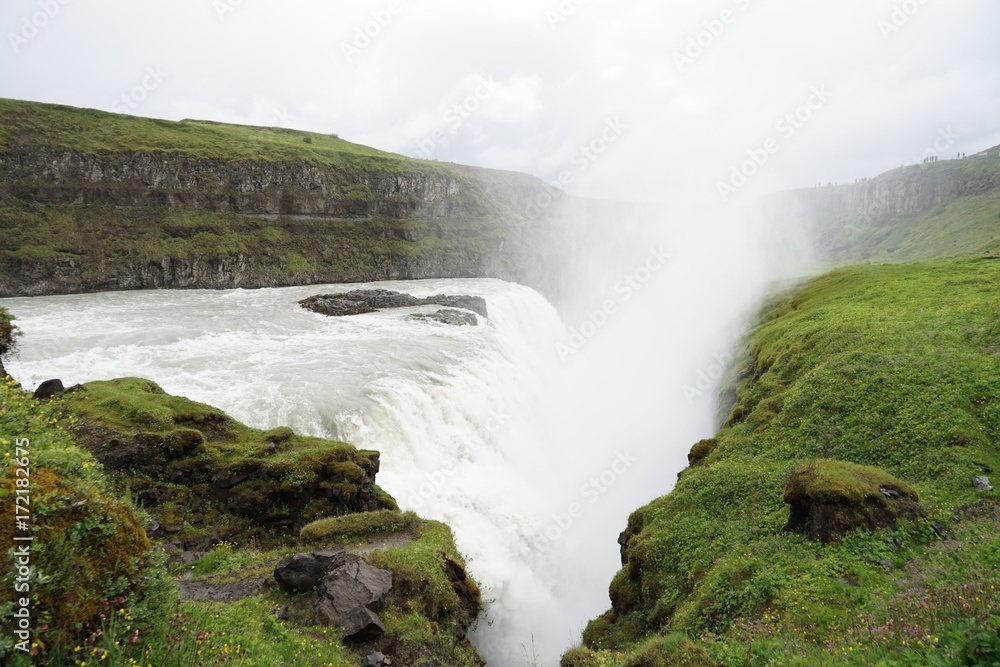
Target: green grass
x=34 y=125
x=893 y=367
x=827 y=481
x=968 y=224
x=965 y=226
x=425 y=615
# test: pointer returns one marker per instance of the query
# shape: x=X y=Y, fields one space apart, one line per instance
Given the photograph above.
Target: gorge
x=534 y=456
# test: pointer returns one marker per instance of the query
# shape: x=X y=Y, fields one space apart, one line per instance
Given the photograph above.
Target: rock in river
x=358 y=302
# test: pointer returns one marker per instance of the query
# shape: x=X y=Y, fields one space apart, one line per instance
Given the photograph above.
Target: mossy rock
x=429 y=576
x=579 y=657
x=184 y=442
x=261 y=484
x=829 y=499
x=90 y=551
x=354 y=527
x=279 y=435
x=701 y=451
x=670 y=651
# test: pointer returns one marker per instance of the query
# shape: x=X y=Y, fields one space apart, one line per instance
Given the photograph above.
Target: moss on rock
x=353 y=527
x=701 y=451
x=90 y=552
x=207 y=477
x=829 y=499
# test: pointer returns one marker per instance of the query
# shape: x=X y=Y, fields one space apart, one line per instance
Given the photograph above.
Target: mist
x=661 y=125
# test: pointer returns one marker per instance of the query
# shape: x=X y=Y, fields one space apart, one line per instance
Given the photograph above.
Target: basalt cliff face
x=909 y=209
x=95 y=201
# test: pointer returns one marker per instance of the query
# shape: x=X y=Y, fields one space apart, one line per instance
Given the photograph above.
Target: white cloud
x=554 y=87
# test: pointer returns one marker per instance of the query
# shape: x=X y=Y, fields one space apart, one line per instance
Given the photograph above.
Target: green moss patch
x=207 y=477
x=829 y=499
x=356 y=527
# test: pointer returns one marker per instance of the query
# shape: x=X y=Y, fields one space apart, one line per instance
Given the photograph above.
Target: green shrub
x=90 y=553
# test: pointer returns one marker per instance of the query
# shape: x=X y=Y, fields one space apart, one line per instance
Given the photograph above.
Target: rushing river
x=533 y=458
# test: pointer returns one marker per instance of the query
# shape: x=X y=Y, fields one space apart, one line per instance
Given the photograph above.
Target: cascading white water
x=457 y=412
x=535 y=456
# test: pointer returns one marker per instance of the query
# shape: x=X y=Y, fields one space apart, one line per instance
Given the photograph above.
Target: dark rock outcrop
x=361 y=625
x=49 y=388
x=268 y=215
x=301 y=573
x=376 y=660
x=454 y=318
x=358 y=302
x=829 y=499
x=350 y=594
x=701 y=451
x=186 y=473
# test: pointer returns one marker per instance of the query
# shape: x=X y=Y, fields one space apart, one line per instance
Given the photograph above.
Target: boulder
x=351 y=584
x=376 y=660
x=358 y=302
x=49 y=388
x=451 y=317
x=701 y=450
x=300 y=573
x=829 y=499
x=982 y=483
x=360 y=626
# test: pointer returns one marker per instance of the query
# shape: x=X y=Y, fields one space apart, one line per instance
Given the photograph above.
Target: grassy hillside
x=965 y=226
x=94 y=201
x=926 y=211
x=893 y=368
x=34 y=125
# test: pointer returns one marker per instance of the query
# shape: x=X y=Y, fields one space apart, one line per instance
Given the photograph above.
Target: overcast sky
x=670 y=96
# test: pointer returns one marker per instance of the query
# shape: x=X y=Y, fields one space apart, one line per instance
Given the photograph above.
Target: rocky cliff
x=908 y=208
x=95 y=201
